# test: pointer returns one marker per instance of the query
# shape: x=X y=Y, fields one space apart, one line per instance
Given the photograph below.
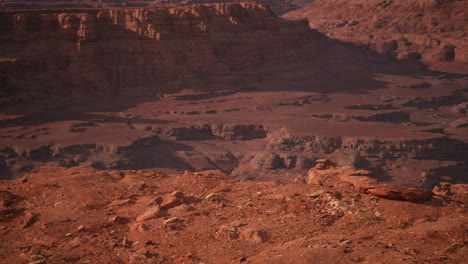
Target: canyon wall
x=434 y=32
x=76 y=55
x=278 y=6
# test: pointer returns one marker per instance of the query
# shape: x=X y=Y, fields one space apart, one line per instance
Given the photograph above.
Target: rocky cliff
x=83 y=54
x=278 y=6
x=427 y=30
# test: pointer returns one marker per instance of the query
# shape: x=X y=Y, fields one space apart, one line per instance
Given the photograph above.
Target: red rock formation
x=433 y=31
x=81 y=54
x=278 y=6
x=328 y=173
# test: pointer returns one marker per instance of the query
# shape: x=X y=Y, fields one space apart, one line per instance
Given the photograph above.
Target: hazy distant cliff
x=88 y=53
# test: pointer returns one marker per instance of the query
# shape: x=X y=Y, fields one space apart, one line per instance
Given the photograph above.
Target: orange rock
x=254 y=235
x=401 y=193
x=152 y=213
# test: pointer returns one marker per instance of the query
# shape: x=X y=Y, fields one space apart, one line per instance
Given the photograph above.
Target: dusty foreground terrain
x=341 y=215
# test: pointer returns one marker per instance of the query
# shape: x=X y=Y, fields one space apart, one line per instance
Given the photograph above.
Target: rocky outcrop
x=414 y=195
x=427 y=30
x=457 y=192
x=328 y=173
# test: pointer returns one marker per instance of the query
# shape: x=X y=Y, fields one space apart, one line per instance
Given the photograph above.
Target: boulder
x=414 y=195
x=326 y=170
x=457 y=192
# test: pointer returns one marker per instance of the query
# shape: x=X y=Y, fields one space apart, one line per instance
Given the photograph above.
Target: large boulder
x=414 y=195
x=457 y=192
x=327 y=172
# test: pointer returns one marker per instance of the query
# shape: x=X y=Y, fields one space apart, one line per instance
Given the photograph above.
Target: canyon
x=278 y=6
x=218 y=86
x=223 y=133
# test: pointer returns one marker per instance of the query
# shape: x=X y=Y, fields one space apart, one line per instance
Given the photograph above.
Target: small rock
x=172 y=201
x=29 y=219
x=139 y=227
x=171 y=220
x=118 y=220
x=143 y=251
x=180 y=210
x=323 y=164
x=236 y=223
x=139 y=256
x=152 y=213
x=119 y=202
x=254 y=235
x=37 y=257
x=228 y=232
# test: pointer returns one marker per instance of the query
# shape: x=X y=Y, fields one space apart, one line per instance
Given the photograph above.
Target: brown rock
x=359 y=180
x=180 y=210
x=29 y=219
x=457 y=192
x=152 y=213
x=173 y=200
x=318 y=176
x=385 y=193
x=230 y=232
x=120 y=202
x=118 y=220
x=323 y=164
x=254 y=235
x=414 y=195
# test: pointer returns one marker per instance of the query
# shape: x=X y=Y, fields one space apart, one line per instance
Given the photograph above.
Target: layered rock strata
x=75 y=55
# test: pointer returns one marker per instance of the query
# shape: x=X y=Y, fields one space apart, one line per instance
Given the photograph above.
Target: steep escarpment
x=427 y=30
x=278 y=6
x=75 y=55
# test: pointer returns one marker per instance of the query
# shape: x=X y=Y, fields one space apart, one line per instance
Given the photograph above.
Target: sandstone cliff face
x=278 y=6
x=83 y=54
x=427 y=30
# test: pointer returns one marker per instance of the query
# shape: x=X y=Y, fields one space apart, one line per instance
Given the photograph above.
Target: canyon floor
x=411 y=131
